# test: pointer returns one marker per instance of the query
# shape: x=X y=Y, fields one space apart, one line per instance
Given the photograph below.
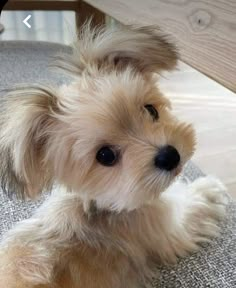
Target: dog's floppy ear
x=144 y=48
x=26 y=120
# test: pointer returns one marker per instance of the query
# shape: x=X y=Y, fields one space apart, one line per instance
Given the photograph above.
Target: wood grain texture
x=85 y=12
x=204 y=31
x=42 y=5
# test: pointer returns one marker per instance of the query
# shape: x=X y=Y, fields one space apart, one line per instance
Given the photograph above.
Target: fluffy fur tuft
x=146 y=49
x=25 y=123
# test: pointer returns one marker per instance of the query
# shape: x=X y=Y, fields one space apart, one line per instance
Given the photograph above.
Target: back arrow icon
x=25 y=21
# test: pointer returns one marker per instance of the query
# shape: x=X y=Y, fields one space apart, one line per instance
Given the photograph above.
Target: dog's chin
x=178 y=171
x=171 y=177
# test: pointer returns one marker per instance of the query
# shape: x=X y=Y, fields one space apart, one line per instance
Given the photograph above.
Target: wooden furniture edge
x=200 y=39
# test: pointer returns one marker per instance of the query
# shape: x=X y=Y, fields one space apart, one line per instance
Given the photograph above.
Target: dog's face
x=125 y=146
x=110 y=135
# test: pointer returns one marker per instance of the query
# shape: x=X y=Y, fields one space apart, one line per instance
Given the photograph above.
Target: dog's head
x=110 y=135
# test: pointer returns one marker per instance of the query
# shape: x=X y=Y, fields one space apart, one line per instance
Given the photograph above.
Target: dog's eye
x=107 y=156
x=152 y=111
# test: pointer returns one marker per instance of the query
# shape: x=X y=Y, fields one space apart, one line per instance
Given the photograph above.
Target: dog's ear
x=146 y=49
x=25 y=123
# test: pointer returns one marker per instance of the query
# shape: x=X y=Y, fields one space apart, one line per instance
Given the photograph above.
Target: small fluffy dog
x=110 y=142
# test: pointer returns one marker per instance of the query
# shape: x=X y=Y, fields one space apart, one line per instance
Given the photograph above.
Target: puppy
x=111 y=145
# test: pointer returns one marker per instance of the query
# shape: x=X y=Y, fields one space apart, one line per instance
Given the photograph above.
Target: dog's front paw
x=208 y=200
x=210 y=188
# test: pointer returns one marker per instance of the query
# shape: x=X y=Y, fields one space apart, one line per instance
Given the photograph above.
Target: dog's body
x=61 y=247
x=111 y=143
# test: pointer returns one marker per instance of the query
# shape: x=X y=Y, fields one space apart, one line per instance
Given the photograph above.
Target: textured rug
x=213 y=267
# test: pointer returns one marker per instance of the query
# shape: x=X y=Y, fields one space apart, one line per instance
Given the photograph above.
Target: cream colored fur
x=101 y=226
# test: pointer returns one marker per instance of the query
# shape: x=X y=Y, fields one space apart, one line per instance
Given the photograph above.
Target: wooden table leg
x=85 y=12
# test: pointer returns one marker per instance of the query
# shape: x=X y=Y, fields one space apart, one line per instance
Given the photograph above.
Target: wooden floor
x=212 y=110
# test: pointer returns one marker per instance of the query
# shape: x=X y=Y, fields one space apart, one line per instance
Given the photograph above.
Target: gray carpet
x=214 y=266
x=27 y=62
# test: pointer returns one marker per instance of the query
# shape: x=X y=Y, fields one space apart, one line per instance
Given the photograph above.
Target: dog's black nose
x=167 y=158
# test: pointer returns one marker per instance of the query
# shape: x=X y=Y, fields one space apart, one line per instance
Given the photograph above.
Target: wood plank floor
x=212 y=110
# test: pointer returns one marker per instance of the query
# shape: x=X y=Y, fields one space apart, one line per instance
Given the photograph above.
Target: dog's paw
x=210 y=188
x=208 y=201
